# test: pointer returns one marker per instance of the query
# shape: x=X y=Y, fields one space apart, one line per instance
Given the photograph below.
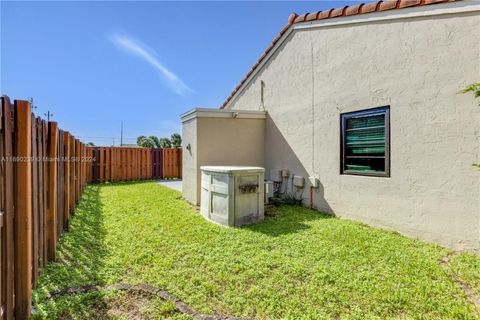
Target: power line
x=106 y=141
x=93 y=137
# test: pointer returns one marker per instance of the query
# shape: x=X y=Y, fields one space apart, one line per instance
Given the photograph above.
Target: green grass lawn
x=297 y=264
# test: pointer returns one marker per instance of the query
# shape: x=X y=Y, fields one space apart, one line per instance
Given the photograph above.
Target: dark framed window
x=365 y=142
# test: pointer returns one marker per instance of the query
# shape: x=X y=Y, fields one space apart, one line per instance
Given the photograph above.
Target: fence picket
x=7 y=208
x=66 y=179
x=60 y=183
x=51 y=221
x=23 y=211
x=71 y=200
x=34 y=198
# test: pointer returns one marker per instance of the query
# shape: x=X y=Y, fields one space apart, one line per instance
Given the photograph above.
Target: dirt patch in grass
x=139 y=306
x=465 y=268
x=120 y=305
x=143 y=289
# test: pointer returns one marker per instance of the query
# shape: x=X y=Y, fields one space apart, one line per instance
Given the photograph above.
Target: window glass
x=365 y=141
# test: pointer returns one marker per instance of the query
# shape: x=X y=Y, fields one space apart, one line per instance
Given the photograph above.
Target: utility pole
x=121 y=135
x=48 y=114
x=31 y=103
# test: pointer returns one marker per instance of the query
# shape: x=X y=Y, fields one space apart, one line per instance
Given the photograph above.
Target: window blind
x=364 y=141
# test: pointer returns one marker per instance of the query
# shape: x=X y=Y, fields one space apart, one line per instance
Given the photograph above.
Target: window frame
x=347 y=115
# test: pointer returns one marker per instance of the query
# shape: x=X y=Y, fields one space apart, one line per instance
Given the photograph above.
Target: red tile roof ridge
x=356 y=9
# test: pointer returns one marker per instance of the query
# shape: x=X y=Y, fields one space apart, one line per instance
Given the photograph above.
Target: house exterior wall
x=219 y=141
x=189 y=161
x=414 y=65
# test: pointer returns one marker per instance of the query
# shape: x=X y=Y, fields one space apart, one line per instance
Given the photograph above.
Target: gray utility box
x=232 y=196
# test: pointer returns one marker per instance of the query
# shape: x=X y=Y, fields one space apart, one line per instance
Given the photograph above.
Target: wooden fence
x=43 y=172
x=123 y=164
x=42 y=175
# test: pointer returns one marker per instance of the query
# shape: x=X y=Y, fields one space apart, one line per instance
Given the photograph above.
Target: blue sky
x=96 y=64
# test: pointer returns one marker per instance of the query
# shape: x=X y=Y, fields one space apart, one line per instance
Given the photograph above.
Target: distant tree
x=145 y=142
x=90 y=144
x=165 y=143
x=155 y=140
x=176 y=140
x=140 y=139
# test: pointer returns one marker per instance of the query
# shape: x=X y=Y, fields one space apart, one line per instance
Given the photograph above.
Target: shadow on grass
x=80 y=261
x=287 y=219
x=123 y=183
x=82 y=248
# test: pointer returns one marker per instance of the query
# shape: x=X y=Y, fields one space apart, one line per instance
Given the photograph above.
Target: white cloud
x=140 y=50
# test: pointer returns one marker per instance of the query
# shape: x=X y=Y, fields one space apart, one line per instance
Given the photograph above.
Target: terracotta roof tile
x=292 y=18
x=300 y=18
x=324 y=14
x=387 y=5
x=285 y=28
x=338 y=12
x=370 y=7
x=311 y=16
x=353 y=9
x=409 y=3
x=270 y=47
x=331 y=14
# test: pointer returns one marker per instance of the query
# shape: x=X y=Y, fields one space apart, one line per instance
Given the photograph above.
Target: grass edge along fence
x=42 y=176
x=130 y=163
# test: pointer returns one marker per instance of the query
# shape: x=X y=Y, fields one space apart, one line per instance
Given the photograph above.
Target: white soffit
x=217 y=113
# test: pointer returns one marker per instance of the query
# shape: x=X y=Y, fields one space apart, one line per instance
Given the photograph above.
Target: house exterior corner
x=414 y=65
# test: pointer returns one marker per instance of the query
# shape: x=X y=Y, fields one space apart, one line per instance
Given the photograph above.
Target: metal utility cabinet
x=232 y=196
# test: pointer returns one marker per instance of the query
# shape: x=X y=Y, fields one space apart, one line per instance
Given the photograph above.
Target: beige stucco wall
x=219 y=141
x=415 y=65
x=189 y=160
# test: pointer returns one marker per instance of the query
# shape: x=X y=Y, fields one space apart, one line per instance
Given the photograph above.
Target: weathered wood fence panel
x=7 y=229
x=157 y=163
x=52 y=174
x=124 y=164
x=172 y=159
x=23 y=210
x=42 y=175
x=60 y=183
